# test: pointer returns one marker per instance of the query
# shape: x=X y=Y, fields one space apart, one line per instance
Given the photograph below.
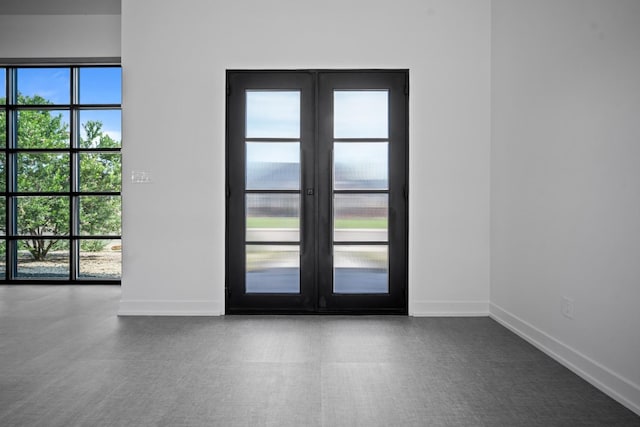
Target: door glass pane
x=43 y=172
x=273 y=114
x=360 y=217
x=100 y=128
x=273 y=166
x=100 y=259
x=273 y=217
x=361 y=114
x=40 y=258
x=100 y=85
x=361 y=165
x=39 y=86
x=272 y=269
x=43 y=129
x=361 y=269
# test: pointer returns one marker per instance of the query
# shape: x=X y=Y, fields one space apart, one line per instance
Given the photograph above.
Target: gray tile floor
x=66 y=359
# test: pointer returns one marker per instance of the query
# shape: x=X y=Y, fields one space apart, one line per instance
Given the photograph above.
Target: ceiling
x=60 y=7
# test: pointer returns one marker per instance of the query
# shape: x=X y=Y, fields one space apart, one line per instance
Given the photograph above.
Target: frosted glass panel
x=273 y=217
x=273 y=269
x=360 y=217
x=273 y=114
x=361 y=114
x=273 y=166
x=361 y=269
x=361 y=165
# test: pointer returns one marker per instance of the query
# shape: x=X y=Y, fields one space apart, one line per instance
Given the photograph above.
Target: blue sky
x=50 y=83
x=111 y=121
x=3 y=82
x=99 y=85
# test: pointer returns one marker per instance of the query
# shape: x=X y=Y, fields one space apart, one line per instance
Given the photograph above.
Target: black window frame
x=11 y=151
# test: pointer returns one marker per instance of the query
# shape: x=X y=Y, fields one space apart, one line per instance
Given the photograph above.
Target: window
x=60 y=174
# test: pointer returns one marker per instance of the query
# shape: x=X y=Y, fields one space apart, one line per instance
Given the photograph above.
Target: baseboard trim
x=449 y=308
x=601 y=377
x=170 y=308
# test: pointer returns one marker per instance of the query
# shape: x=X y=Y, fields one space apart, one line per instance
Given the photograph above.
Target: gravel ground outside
x=105 y=264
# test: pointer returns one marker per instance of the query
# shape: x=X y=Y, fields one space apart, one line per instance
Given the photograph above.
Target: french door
x=316 y=191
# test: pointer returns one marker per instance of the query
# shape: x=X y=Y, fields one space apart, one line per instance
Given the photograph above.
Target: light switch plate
x=140 y=177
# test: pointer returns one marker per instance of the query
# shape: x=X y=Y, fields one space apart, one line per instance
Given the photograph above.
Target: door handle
x=309 y=192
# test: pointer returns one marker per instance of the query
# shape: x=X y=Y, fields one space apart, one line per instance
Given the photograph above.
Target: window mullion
x=74 y=187
x=12 y=178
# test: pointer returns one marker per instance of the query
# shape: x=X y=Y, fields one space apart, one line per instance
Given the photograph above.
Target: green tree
x=99 y=215
x=44 y=218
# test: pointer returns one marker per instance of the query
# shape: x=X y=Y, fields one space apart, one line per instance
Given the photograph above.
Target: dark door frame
x=316 y=292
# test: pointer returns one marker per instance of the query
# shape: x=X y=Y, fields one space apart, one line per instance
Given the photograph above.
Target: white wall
x=565 y=182
x=174 y=63
x=59 y=36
